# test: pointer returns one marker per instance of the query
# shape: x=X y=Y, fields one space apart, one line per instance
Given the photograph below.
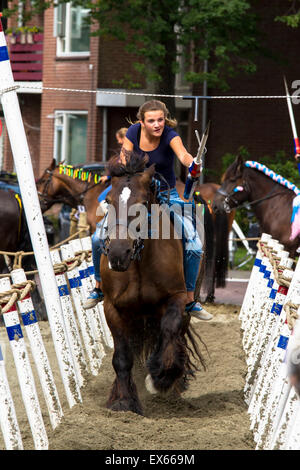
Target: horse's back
x=10 y=215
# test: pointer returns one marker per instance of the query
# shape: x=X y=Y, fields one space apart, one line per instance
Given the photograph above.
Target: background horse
x=54 y=187
x=271 y=202
x=215 y=267
x=14 y=237
x=144 y=296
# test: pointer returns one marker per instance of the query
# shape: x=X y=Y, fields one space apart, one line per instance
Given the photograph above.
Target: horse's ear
x=53 y=164
x=150 y=172
x=239 y=164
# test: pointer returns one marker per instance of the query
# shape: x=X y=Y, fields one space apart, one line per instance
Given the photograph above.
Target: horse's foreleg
x=123 y=396
x=167 y=363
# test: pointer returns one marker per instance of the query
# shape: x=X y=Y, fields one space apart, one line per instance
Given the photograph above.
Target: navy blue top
x=162 y=156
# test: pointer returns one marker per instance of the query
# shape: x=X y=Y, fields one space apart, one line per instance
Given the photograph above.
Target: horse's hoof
x=125 y=405
x=149 y=385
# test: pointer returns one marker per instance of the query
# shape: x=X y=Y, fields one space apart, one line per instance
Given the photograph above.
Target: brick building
x=80 y=127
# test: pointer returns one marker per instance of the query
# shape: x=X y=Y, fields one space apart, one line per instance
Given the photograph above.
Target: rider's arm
x=185 y=157
x=181 y=152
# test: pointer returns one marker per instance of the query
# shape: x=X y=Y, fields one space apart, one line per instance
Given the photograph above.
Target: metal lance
x=292 y=119
x=191 y=182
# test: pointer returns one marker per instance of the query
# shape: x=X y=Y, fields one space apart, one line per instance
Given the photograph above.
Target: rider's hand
x=195 y=169
x=297 y=157
x=103 y=179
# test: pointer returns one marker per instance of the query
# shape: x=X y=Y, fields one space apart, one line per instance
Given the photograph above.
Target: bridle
x=138 y=243
x=45 y=198
x=231 y=203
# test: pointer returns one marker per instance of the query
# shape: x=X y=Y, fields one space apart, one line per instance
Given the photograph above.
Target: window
x=70 y=137
x=72 y=30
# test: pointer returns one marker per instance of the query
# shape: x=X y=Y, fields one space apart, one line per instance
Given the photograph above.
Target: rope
x=19 y=255
x=291 y=314
x=16 y=292
x=289 y=307
x=277 y=269
x=74 y=90
x=20 y=291
x=242 y=239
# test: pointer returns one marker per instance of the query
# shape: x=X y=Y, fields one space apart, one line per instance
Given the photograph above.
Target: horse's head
x=233 y=189
x=128 y=208
x=50 y=189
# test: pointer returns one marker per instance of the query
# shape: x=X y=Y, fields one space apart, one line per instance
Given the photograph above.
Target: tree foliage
x=292 y=16
x=166 y=33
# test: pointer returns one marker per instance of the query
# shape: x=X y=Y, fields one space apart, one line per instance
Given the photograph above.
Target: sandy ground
x=210 y=415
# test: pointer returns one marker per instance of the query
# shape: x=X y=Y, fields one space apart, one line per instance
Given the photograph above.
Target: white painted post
x=25 y=376
x=254 y=307
x=98 y=316
x=26 y=180
x=270 y=351
x=39 y=353
x=70 y=322
x=245 y=312
x=8 y=419
x=263 y=325
x=95 y=355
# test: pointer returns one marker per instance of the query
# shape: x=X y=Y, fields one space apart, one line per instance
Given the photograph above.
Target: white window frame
x=67 y=36
x=61 y=123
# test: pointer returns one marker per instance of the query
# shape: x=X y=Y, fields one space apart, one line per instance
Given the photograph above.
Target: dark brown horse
x=14 y=237
x=271 y=202
x=144 y=296
x=13 y=234
x=54 y=187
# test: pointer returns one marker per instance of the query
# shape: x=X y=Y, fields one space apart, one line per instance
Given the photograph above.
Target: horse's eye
x=107 y=200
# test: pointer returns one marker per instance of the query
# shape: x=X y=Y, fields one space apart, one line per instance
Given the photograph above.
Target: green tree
x=291 y=16
x=161 y=31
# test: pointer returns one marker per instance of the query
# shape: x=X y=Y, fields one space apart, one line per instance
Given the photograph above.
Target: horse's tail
x=207 y=267
x=221 y=255
x=194 y=357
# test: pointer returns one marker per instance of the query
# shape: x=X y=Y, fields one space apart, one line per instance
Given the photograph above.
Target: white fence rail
x=84 y=334
x=268 y=320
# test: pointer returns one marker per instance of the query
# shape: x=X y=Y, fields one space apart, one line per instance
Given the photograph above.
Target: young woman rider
x=154 y=135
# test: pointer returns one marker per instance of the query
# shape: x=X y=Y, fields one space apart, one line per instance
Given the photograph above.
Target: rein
x=258 y=201
x=229 y=197
x=138 y=243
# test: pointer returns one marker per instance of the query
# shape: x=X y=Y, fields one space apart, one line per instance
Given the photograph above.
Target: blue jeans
x=192 y=246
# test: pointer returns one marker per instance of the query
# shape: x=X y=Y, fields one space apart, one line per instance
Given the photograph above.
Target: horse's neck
x=260 y=185
x=71 y=186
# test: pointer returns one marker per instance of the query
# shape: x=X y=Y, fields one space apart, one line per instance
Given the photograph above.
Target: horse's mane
x=260 y=167
x=135 y=163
